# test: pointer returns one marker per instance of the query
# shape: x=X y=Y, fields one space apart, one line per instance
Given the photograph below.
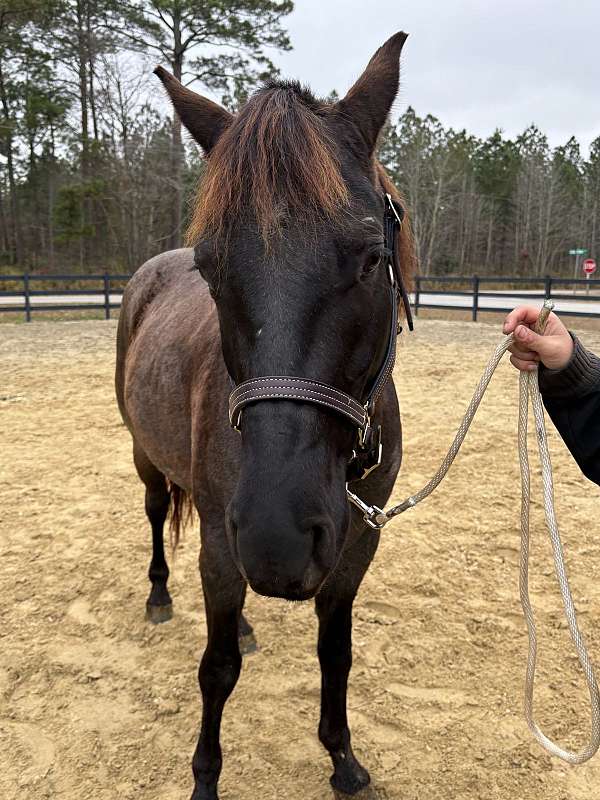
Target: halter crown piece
x=368 y=448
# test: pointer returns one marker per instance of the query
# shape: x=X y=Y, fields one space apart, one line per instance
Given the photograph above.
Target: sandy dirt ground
x=95 y=702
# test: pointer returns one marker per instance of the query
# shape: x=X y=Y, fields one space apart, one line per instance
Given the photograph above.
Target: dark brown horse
x=288 y=275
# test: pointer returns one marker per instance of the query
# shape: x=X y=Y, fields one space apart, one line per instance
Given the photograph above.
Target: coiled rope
x=528 y=388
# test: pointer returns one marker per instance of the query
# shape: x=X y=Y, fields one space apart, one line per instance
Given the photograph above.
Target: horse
x=287 y=273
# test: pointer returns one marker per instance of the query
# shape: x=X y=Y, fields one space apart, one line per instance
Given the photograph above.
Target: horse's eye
x=372 y=262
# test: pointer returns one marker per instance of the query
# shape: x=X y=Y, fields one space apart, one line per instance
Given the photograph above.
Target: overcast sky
x=474 y=64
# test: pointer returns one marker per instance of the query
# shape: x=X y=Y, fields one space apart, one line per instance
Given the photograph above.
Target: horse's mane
x=277 y=158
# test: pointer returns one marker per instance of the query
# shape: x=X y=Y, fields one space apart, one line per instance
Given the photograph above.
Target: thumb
x=542 y=345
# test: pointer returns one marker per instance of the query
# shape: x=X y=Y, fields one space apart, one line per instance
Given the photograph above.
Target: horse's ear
x=204 y=119
x=369 y=101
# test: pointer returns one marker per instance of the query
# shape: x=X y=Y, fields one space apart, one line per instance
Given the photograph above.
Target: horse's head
x=288 y=233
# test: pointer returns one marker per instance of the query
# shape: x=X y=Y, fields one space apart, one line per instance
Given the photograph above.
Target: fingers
x=526 y=315
x=524 y=355
x=527 y=339
x=523 y=358
x=522 y=364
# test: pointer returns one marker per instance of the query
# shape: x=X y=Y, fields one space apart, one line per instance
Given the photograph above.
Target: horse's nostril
x=318 y=532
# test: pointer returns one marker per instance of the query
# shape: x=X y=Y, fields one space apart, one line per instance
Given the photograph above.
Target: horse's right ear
x=204 y=119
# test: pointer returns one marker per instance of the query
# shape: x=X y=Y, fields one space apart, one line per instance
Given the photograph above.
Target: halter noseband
x=367 y=452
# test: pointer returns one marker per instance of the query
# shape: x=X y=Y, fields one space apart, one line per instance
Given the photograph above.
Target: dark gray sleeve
x=572 y=398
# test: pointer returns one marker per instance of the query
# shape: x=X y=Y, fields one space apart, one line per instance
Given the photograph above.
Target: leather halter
x=367 y=452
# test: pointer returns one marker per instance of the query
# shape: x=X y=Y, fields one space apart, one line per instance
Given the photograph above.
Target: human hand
x=553 y=349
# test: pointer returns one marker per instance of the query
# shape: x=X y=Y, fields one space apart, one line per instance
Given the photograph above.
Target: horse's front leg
x=224 y=591
x=334 y=610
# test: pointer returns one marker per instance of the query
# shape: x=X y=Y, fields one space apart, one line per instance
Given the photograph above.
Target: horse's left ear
x=369 y=101
x=204 y=119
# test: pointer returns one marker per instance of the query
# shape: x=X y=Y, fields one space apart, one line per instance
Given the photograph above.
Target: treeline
x=94 y=175
x=497 y=205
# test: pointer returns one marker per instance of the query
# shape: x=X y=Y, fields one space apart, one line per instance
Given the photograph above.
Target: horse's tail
x=182 y=511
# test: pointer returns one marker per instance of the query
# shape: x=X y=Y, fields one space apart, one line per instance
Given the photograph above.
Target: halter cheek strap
x=367 y=453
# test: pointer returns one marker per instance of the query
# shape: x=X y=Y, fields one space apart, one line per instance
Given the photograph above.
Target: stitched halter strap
x=288 y=388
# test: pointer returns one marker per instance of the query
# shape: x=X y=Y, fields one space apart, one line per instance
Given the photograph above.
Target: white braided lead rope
x=528 y=386
x=460 y=434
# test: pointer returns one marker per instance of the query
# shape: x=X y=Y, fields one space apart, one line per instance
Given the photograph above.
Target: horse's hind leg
x=334 y=609
x=159 y=606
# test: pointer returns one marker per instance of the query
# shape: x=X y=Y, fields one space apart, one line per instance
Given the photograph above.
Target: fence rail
x=574 y=302
x=105 y=295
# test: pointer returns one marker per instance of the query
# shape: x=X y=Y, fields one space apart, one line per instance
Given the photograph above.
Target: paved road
x=454 y=300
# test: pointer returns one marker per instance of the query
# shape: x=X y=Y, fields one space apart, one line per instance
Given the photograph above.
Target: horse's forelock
x=276 y=158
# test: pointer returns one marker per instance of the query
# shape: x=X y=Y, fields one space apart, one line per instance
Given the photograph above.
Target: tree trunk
x=488 y=249
x=82 y=58
x=434 y=218
x=18 y=252
x=543 y=266
x=51 y=194
x=463 y=223
x=4 y=240
x=90 y=62
x=593 y=233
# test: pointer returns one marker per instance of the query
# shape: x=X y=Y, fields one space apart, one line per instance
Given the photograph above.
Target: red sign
x=589 y=266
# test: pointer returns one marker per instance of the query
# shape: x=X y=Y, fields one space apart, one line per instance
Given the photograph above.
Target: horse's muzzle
x=278 y=555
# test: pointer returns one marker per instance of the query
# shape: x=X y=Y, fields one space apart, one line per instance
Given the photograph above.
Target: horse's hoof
x=351 y=781
x=158 y=614
x=248 y=644
x=368 y=793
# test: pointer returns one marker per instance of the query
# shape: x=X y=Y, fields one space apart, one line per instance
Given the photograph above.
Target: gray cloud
x=475 y=65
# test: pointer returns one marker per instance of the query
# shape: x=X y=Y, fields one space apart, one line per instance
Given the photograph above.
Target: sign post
x=589 y=267
x=577 y=252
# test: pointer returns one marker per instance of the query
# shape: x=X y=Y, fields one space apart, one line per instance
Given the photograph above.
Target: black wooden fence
x=104 y=293
x=105 y=290
x=474 y=287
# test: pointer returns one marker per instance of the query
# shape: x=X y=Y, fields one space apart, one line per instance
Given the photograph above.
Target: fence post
x=548 y=287
x=475 y=282
x=417 y=294
x=27 y=297
x=106 y=295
